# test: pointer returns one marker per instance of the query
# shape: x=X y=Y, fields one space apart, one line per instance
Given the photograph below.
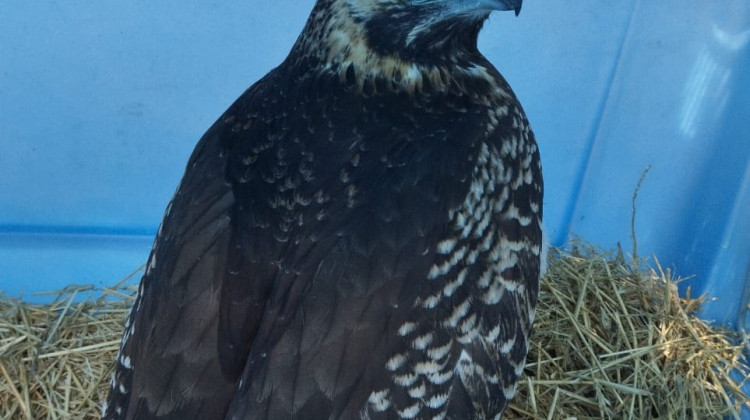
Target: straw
x=612 y=340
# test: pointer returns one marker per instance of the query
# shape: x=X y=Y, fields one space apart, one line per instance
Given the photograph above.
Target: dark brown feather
x=352 y=239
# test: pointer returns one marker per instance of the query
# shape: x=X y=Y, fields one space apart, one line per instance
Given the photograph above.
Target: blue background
x=102 y=102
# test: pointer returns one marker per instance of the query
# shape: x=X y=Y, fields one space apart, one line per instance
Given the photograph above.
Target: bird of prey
x=357 y=237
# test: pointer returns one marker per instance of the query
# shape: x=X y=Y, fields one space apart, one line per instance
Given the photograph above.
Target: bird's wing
x=421 y=310
x=200 y=299
x=332 y=320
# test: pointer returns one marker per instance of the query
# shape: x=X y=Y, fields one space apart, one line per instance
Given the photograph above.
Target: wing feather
x=201 y=295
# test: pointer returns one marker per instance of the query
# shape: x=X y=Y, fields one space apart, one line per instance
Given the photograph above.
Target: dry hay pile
x=610 y=342
x=614 y=342
x=56 y=360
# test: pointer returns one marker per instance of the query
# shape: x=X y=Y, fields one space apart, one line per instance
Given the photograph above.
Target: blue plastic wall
x=102 y=102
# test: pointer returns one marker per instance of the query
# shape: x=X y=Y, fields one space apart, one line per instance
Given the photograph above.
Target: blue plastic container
x=102 y=102
x=100 y=105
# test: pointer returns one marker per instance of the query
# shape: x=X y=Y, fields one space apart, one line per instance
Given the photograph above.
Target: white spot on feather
x=440 y=378
x=126 y=362
x=407 y=379
x=407 y=328
x=409 y=412
x=418 y=391
x=437 y=401
x=379 y=400
x=441 y=416
x=451 y=287
x=395 y=362
x=507 y=346
x=437 y=353
x=421 y=342
x=427 y=368
x=458 y=313
x=446 y=246
x=510 y=391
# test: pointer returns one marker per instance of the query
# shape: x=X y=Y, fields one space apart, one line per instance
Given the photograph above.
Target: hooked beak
x=453 y=7
x=514 y=5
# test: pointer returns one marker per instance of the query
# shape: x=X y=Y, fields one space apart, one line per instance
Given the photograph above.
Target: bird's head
x=411 y=29
x=397 y=37
x=424 y=28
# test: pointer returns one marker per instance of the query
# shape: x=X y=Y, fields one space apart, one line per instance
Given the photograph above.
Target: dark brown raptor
x=359 y=236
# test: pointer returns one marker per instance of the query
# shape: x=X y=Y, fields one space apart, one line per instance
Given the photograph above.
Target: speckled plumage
x=357 y=237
